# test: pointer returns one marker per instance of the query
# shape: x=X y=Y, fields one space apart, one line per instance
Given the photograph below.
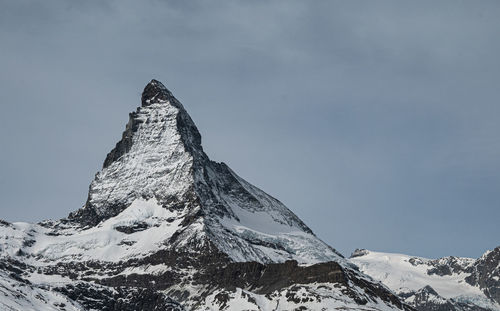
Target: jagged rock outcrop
x=485 y=273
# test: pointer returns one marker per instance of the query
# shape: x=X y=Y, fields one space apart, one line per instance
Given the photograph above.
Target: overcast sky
x=378 y=123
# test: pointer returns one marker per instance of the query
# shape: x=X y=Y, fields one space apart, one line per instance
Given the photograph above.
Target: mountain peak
x=160 y=159
x=155 y=92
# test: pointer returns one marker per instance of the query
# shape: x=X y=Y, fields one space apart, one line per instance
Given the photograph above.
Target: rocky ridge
x=447 y=284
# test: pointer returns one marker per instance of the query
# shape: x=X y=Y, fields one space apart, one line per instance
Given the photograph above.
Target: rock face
x=485 y=273
x=448 y=284
x=166 y=228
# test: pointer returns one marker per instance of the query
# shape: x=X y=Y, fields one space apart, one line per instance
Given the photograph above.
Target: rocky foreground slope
x=445 y=284
x=166 y=228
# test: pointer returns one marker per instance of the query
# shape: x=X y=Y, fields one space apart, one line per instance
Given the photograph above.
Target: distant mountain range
x=450 y=283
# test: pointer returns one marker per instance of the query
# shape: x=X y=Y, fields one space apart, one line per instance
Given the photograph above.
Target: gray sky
x=376 y=122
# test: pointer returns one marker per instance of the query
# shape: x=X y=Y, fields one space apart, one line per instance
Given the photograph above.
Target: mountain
x=166 y=228
x=450 y=283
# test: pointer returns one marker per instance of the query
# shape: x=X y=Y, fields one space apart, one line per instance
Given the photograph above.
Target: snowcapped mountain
x=166 y=228
x=159 y=168
x=450 y=283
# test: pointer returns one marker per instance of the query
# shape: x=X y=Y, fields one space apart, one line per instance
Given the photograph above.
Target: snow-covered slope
x=166 y=228
x=17 y=293
x=430 y=283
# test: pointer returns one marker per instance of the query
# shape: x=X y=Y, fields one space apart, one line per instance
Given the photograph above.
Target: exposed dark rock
x=136 y=227
x=485 y=273
x=415 y=261
x=4 y=223
x=124 y=145
x=358 y=253
x=427 y=299
x=155 y=92
x=266 y=278
x=447 y=266
x=119 y=298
